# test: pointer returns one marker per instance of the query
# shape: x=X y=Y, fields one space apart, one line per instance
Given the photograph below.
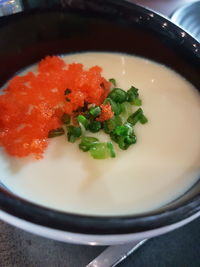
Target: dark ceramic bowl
x=87 y=25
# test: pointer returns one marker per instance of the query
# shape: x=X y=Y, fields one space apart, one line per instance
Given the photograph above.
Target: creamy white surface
x=163 y=164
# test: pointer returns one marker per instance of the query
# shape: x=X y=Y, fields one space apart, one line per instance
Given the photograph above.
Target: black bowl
x=87 y=25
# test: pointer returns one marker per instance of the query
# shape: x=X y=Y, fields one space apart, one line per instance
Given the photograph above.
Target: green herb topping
x=56 y=132
x=120 y=127
x=113 y=81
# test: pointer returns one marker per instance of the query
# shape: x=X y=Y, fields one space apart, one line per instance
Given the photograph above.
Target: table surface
x=180 y=248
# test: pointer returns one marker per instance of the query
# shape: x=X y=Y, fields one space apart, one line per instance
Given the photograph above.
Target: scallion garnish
x=111 y=148
x=102 y=150
x=135 y=117
x=120 y=127
x=56 y=132
x=137 y=102
x=94 y=126
x=87 y=142
x=125 y=141
x=133 y=96
x=73 y=133
x=82 y=120
x=113 y=81
x=111 y=124
x=116 y=107
x=114 y=137
x=118 y=95
x=95 y=111
x=130 y=139
x=143 y=119
x=124 y=130
x=122 y=144
x=65 y=118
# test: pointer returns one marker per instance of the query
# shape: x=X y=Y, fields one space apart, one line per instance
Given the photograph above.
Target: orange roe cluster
x=33 y=104
x=106 y=112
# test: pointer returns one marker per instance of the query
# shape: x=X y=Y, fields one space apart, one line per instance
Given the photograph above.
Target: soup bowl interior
x=114 y=26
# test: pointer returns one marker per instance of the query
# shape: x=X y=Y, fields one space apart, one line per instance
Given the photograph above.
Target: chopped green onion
x=56 y=132
x=95 y=111
x=118 y=95
x=111 y=148
x=143 y=119
x=87 y=142
x=102 y=151
x=122 y=144
x=135 y=117
x=113 y=81
x=94 y=126
x=114 y=137
x=120 y=128
x=88 y=115
x=126 y=110
x=116 y=107
x=133 y=96
x=67 y=91
x=65 y=118
x=73 y=133
x=82 y=120
x=124 y=130
x=137 y=102
x=131 y=139
x=112 y=123
x=125 y=141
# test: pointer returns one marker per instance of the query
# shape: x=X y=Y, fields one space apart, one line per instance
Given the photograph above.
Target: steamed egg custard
x=159 y=168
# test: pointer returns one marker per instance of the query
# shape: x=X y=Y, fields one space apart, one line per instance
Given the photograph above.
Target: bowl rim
x=97 y=225
x=101 y=225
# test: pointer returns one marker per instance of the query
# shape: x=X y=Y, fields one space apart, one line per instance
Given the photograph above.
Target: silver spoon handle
x=113 y=255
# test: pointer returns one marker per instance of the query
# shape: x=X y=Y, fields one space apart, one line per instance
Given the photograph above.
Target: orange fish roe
x=106 y=113
x=33 y=104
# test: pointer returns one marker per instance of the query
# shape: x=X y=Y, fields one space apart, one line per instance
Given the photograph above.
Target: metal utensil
x=113 y=255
